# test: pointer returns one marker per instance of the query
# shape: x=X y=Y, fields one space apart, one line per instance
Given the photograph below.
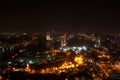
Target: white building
x=48 y=37
x=63 y=41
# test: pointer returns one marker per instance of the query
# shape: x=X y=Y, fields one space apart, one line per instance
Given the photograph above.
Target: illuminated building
x=79 y=60
x=99 y=41
x=63 y=41
x=48 y=36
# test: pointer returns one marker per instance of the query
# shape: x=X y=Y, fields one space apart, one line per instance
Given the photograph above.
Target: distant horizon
x=72 y=16
x=2 y=32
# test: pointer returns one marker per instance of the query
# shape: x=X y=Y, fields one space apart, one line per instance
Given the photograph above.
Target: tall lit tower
x=99 y=40
x=63 y=41
x=48 y=36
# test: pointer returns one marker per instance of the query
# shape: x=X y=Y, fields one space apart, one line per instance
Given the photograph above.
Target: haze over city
x=67 y=16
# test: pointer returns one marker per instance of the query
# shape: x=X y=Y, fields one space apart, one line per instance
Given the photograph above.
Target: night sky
x=69 y=16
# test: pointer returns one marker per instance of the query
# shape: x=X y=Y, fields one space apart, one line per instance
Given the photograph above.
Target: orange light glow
x=79 y=60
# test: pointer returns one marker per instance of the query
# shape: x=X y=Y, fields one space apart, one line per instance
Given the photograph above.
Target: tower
x=63 y=41
x=48 y=36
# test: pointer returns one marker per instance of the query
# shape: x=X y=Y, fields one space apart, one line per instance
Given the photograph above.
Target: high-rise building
x=48 y=37
x=63 y=41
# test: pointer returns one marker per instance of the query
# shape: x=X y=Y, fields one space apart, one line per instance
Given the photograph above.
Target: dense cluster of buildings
x=76 y=56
